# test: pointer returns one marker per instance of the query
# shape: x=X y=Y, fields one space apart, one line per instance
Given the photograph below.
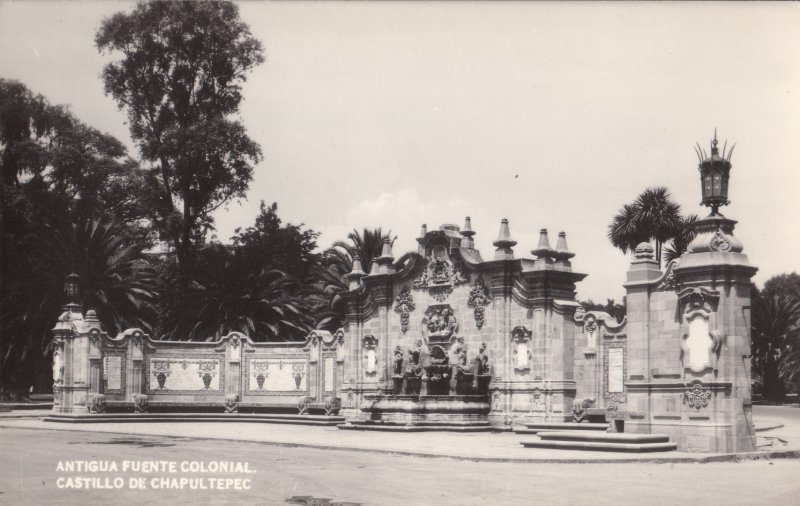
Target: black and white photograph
x=404 y=253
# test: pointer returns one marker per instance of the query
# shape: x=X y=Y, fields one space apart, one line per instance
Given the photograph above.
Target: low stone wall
x=94 y=372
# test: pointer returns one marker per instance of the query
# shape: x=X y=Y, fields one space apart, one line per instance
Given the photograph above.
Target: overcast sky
x=550 y=115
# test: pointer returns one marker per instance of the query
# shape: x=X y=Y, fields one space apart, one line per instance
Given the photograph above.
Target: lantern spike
x=697 y=152
x=723 y=148
x=730 y=153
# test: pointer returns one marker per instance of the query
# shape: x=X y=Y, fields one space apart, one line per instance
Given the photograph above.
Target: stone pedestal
x=688 y=345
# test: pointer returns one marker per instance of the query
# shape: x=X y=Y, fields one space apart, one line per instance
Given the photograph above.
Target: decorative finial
x=467 y=232
x=504 y=242
x=714 y=150
x=644 y=251
x=357 y=267
x=384 y=262
x=562 y=252
x=543 y=249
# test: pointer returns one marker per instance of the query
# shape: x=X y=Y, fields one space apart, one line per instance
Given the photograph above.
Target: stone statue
x=482 y=359
x=58 y=367
x=398 y=361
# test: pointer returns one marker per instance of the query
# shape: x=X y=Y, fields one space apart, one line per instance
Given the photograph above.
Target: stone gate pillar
x=71 y=383
x=688 y=333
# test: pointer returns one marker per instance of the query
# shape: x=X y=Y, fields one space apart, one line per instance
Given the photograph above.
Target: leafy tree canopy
x=652 y=216
x=179 y=77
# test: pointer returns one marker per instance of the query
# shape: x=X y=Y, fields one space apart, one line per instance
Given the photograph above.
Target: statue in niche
x=480 y=370
x=439 y=271
x=397 y=370
x=414 y=355
x=591 y=333
x=398 y=361
x=413 y=372
x=460 y=356
x=58 y=367
x=482 y=360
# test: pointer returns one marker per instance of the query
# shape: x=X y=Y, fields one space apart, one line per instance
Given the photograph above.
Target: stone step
x=420 y=426
x=535 y=428
x=602 y=446
x=604 y=437
x=196 y=417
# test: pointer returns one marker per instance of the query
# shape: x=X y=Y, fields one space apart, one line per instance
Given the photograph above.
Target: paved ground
x=295 y=463
x=29 y=475
x=476 y=446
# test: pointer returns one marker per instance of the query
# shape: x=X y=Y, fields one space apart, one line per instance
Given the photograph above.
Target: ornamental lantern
x=71 y=288
x=714 y=175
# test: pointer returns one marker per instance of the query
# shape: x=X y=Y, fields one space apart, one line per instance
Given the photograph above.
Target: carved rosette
x=478 y=300
x=404 y=305
x=697 y=396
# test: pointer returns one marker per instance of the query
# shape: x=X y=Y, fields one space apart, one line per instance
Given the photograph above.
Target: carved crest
x=439 y=276
x=697 y=396
x=719 y=242
x=404 y=305
x=478 y=300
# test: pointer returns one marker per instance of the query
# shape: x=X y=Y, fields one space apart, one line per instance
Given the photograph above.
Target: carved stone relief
x=404 y=305
x=697 y=396
x=478 y=300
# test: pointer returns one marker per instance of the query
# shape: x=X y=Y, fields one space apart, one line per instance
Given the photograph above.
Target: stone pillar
x=71 y=362
x=714 y=278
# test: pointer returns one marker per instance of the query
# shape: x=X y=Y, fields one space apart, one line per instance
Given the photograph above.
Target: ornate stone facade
x=472 y=321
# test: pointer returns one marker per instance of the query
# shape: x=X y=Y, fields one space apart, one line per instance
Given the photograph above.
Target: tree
x=775 y=335
x=786 y=284
x=774 y=331
x=179 y=79
x=233 y=290
x=652 y=216
x=114 y=277
x=618 y=311
x=62 y=181
x=367 y=245
x=680 y=243
x=288 y=248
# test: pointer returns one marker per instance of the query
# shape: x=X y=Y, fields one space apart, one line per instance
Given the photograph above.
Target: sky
x=552 y=115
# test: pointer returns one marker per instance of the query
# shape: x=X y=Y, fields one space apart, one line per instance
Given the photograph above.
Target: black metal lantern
x=71 y=289
x=714 y=175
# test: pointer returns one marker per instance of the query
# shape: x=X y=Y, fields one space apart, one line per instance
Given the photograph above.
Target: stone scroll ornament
x=697 y=396
x=478 y=300
x=404 y=305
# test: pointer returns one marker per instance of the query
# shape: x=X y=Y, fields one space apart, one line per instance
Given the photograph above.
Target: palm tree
x=680 y=243
x=336 y=263
x=367 y=245
x=115 y=279
x=774 y=340
x=652 y=216
x=233 y=290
